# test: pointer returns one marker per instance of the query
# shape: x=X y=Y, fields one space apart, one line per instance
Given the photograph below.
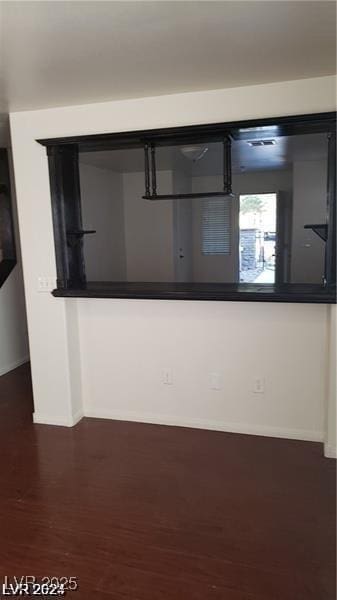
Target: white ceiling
x=61 y=53
x=244 y=157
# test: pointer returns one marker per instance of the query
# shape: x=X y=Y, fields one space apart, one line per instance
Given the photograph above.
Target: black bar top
x=249 y=292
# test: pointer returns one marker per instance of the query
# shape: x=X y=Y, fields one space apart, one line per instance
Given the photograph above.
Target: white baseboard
x=244 y=428
x=42 y=419
x=294 y=434
x=14 y=365
x=330 y=451
x=77 y=417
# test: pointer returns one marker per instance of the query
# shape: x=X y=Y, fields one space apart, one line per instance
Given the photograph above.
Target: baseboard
x=14 y=365
x=293 y=434
x=330 y=451
x=42 y=419
x=276 y=432
x=77 y=417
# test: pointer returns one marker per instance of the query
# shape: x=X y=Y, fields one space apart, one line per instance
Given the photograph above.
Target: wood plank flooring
x=145 y=512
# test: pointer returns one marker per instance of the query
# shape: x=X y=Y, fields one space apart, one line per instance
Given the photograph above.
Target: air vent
x=262 y=143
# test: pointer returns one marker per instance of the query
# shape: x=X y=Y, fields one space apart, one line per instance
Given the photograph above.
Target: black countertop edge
x=6 y=267
x=217 y=292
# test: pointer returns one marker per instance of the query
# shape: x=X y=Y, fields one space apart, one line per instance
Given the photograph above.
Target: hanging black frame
x=150 y=171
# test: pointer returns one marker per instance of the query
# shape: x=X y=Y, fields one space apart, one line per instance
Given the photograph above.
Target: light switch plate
x=216 y=382
x=167 y=377
x=46 y=284
x=259 y=385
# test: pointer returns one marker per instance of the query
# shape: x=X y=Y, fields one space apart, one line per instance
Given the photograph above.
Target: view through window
x=257 y=238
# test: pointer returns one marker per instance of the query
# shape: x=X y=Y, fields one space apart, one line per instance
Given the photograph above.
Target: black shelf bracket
x=321 y=229
x=75 y=236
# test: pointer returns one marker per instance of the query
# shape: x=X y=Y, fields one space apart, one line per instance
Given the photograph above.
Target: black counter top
x=249 y=292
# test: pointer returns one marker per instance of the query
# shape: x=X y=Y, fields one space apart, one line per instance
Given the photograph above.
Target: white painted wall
x=103 y=211
x=127 y=344
x=13 y=325
x=134 y=237
x=263 y=182
x=148 y=230
x=191 y=337
x=13 y=322
x=330 y=419
x=182 y=226
x=309 y=206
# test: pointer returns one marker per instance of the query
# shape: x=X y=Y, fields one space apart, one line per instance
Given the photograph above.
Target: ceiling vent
x=262 y=143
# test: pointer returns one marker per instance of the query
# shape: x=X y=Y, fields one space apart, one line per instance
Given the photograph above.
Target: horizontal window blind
x=216 y=226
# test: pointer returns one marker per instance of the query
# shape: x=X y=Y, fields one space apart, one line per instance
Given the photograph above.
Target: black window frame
x=63 y=157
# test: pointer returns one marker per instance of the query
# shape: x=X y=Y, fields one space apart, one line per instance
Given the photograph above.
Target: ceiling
x=244 y=157
x=56 y=53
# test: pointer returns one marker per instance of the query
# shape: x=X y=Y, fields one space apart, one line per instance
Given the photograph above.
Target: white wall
x=112 y=204
x=13 y=326
x=309 y=206
x=103 y=211
x=330 y=417
x=13 y=322
x=182 y=226
x=127 y=344
x=148 y=230
x=189 y=336
x=263 y=182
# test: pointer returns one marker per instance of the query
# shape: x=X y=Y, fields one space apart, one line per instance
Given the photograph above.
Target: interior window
x=243 y=205
x=261 y=233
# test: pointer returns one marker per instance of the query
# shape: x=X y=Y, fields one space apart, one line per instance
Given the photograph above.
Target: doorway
x=257 y=240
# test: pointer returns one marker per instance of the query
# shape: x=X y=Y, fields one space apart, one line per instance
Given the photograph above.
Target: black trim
x=187 y=195
x=67 y=214
x=203 y=291
x=290 y=125
x=7 y=237
x=330 y=254
x=6 y=267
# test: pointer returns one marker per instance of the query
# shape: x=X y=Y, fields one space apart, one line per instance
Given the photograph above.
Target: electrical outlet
x=215 y=380
x=259 y=385
x=46 y=284
x=167 y=378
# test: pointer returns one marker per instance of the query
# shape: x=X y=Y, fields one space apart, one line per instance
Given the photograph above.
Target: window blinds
x=216 y=226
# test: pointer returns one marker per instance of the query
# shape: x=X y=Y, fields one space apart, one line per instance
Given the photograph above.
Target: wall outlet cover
x=259 y=385
x=216 y=381
x=167 y=377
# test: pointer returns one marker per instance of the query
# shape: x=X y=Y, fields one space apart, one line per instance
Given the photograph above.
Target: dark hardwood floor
x=142 y=512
